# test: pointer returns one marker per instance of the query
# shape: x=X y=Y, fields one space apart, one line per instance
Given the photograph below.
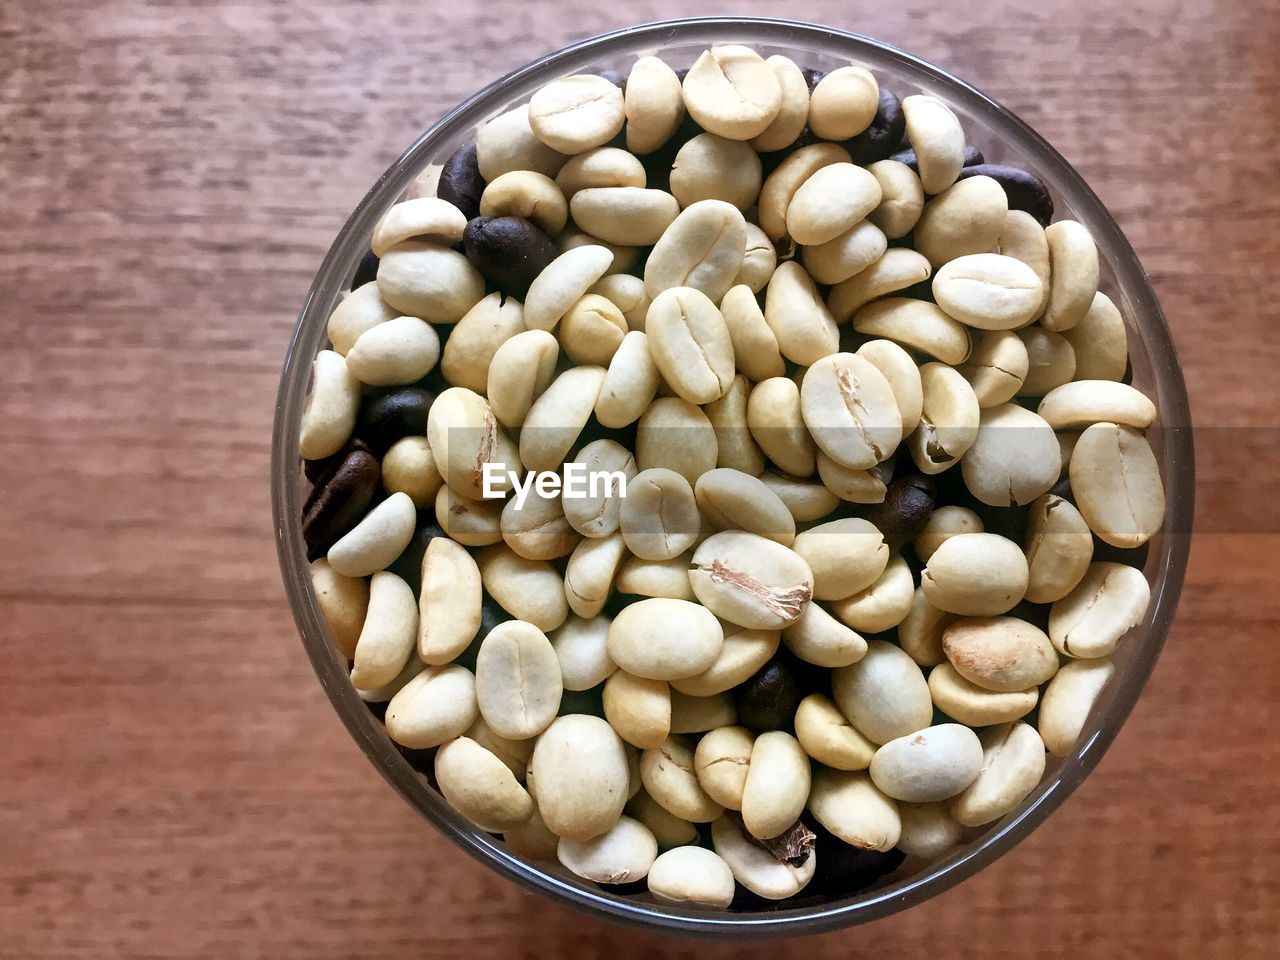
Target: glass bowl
x=1003 y=138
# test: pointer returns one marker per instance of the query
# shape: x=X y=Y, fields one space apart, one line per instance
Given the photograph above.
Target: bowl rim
x=937 y=877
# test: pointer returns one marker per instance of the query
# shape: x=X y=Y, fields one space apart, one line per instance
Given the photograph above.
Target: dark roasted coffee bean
x=367 y=271
x=842 y=869
x=317 y=471
x=907 y=504
x=1024 y=189
x=509 y=251
x=879 y=140
x=972 y=157
x=460 y=181
x=768 y=700
x=340 y=500
x=387 y=415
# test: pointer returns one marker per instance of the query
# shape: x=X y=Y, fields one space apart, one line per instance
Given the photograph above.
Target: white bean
x=582 y=647
x=1013 y=762
x=580 y=770
x=386 y=641
x=518 y=685
x=1110 y=600
x=330 y=414
x=433 y=708
x=481 y=787
x=756 y=868
x=692 y=875
x=1069 y=700
x=375 y=542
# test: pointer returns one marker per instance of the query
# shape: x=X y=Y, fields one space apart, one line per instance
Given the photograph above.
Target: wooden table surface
x=174 y=782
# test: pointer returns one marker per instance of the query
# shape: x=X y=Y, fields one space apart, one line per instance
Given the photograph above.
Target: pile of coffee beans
x=876 y=491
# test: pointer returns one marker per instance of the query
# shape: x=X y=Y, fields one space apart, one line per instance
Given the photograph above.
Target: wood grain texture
x=175 y=783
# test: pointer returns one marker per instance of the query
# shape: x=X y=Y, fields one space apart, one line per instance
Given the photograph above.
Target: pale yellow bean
x=386 y=639
x=843 y=103
x=735 y=447
x=896 y=270
x=523 y=193
x=654 y=105
x=967 y=217
x=917 y=324
x=360 y=310
x=343 y=602
x=563 y=281
x=934 y=133
x=708 y=167
x=881 y=606
x=731 y=91
x=703 y=248
x=1117 y=485
x=330 y=413
x=780 y=186
x=1099 y=342
x=1073 y=269
x=828 y=737
x=429 y=281
x=521 y=370
x=690 y=344
x=423 y=218
x=778 y=427
x=449 y=603
x=755 y=348
x=590 y=572
x=576 y=113
x=602 y=167
x=507 y=142
x=793 y=113
x=902 y=198
x=635 y=216
x=530 y=590
x=1069 y=700
x=556 y=419
x=968 y=703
